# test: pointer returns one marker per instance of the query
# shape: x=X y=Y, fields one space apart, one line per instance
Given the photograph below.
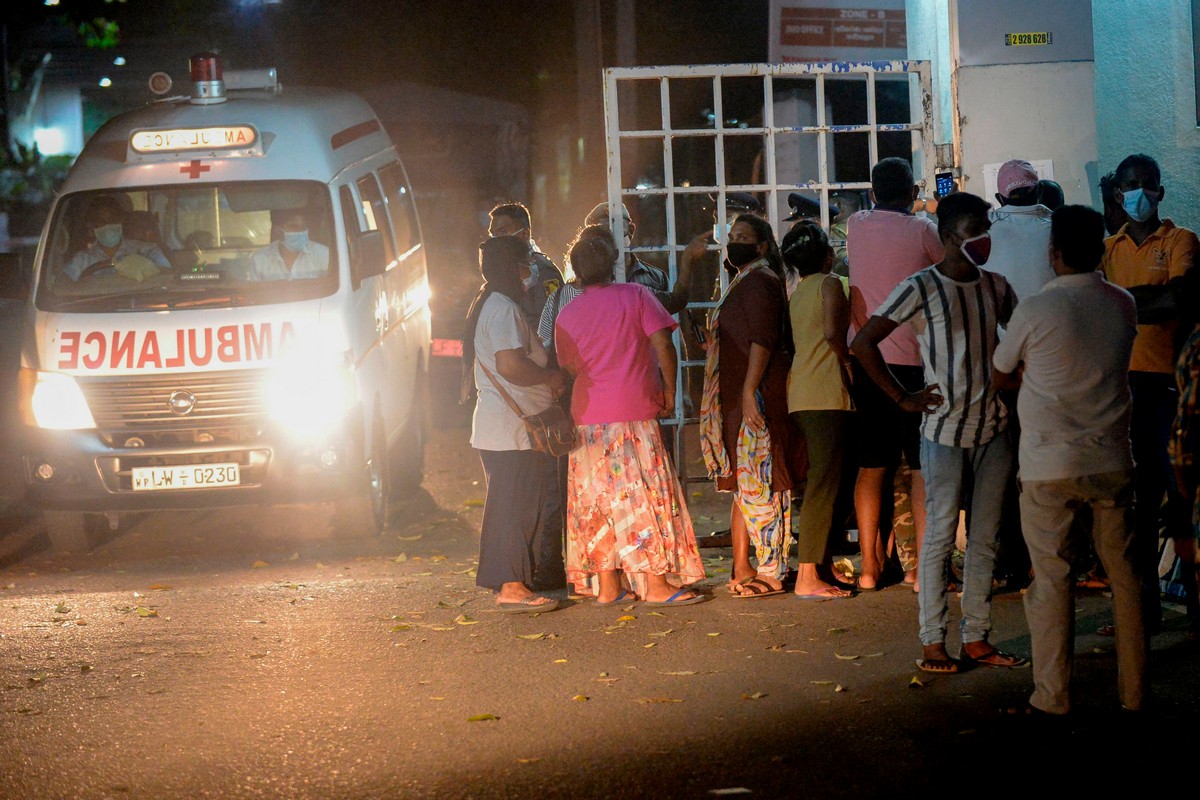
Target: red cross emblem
x=194 y=169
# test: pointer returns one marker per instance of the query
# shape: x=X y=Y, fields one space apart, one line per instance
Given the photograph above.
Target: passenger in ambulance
x=111 y=252
x=292 y=255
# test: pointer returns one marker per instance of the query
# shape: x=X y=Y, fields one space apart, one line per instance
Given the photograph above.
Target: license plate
x=190 y=476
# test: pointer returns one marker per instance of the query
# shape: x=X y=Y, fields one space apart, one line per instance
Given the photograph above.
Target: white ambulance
x=229 y=306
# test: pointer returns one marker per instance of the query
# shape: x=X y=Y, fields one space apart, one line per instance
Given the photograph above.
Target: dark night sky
x=499 y=48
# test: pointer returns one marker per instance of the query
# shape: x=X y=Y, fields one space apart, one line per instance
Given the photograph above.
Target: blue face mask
x=109 y=235
x=1139 y=206
x=296 y=241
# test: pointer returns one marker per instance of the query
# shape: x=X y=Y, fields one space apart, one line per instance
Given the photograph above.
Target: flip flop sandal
x=675 y=600
x=831 y=593
x=527 y=606
x=735 y=583
x=754 y=591
x=938 y=666
x=995 y=658
x=624 y=596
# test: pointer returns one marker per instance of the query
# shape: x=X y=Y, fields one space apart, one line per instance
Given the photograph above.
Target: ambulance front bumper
x=78 y=471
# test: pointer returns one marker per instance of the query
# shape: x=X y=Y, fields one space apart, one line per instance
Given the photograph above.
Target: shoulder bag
x=551 y=431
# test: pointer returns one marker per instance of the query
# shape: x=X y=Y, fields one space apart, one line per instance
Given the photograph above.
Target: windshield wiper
x=61 y=304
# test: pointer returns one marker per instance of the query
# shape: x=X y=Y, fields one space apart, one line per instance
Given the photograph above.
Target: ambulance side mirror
x=369 y=256
x=14 y=284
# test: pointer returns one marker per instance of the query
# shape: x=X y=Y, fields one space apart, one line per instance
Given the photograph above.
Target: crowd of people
x=1009 y=365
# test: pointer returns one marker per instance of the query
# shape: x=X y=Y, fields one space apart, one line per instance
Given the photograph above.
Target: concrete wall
x=1031 y=111
x=1146 y=94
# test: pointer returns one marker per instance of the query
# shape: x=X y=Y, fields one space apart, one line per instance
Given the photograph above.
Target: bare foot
x=660 y=595
x=758 y=585
x=868 y=582
x=936 y=659
x=820 y=587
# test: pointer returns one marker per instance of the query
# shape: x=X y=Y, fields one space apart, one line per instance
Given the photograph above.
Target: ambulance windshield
x=216 y=245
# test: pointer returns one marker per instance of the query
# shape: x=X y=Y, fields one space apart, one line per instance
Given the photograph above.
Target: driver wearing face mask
x=293 y=255
x=110 y=248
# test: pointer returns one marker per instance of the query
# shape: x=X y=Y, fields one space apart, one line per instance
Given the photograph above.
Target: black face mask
x=741 y=253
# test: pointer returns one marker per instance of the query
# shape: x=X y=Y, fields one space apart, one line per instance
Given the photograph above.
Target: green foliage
x=28 y=179
x=100 y=33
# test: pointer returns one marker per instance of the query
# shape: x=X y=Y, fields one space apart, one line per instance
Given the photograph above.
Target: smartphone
x=944 y=184
x=720 y=232
x=697 y=330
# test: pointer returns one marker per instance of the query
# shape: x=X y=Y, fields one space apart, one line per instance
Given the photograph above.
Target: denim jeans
x=949 y=471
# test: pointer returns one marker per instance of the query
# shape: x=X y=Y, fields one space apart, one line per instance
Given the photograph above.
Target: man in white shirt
x=293 y=256
x=1020 y=231
x=109 y=246
x=1068 y=348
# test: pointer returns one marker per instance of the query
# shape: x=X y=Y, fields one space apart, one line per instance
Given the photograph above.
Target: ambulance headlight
x=53 y=400
x=310 y=398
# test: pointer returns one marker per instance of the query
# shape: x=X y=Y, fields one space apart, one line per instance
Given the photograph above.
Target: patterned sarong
x=626 y=509
x=767 y=514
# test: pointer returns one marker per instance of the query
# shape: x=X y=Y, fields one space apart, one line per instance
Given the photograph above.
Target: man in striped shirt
x=956 y=309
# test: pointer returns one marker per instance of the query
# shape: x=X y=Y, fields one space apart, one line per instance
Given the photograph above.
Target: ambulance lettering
x=191 y=347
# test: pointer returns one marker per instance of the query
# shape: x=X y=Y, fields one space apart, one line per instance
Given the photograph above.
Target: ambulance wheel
x=71 y=531
x=408 y=454
x=365 y=512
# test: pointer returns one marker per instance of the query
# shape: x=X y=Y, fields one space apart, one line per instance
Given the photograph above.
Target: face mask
x=296 y=241
x=530 y=281
x=1139 y=206
x=741 y=253
x=977 y=248
x=109 y=235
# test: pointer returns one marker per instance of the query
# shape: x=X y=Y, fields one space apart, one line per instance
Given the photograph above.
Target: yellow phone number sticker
x=1022 y=39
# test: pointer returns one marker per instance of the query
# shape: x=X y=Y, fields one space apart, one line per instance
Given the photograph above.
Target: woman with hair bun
x=818 y=400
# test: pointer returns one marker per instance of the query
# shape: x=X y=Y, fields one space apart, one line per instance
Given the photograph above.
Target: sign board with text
x=837 y=30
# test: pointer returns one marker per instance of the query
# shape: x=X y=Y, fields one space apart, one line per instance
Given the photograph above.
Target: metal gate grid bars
x=920 y=127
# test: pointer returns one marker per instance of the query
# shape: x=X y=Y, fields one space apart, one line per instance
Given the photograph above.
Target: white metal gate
x=777 y=170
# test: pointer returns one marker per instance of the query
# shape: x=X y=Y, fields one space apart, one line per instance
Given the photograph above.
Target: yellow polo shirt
x=1165 y=254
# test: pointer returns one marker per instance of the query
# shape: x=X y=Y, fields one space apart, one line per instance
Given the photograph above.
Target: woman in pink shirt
x=626 y=513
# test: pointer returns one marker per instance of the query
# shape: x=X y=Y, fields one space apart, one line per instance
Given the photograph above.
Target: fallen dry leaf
x=482 y=718
x=626 y=618
x=532 y=637
x=667 y=632
x=473 y=503
x=560 y=661
x=409 y=538
x=400 y=559
x=839 y=688
x=159 y=587
x=755 y=696
x=581 y=698
x=915 y=682
x=845 y=658
x=463 y=619
x=528 y=760
x=142 y=611
x=681 y=672
x=730 y=791
x=62 y=608
x=259 y=565
x=658 y=700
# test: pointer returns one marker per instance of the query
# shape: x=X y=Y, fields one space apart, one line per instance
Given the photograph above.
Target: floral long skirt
x=626 y=510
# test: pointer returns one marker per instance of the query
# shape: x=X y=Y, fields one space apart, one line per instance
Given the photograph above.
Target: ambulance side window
x=350 y=221
x=375 y=213
x=401 y=209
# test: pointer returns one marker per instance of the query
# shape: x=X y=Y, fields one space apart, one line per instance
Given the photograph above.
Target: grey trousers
x=1047 y=509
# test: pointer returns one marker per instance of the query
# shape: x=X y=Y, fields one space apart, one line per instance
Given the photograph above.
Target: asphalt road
x=254 y=653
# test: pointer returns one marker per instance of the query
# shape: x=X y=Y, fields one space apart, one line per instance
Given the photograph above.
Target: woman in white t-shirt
x=522 y=528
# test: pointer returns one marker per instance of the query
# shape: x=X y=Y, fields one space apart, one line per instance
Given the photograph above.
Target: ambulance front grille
x=225 y=402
